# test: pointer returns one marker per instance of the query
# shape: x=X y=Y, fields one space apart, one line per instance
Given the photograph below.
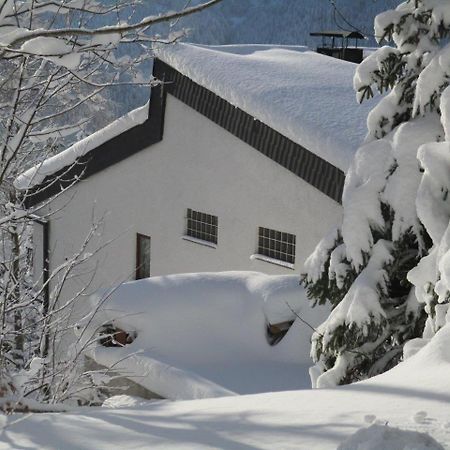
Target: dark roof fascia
x=107 y=154
x=339 y=34
x=292 y=156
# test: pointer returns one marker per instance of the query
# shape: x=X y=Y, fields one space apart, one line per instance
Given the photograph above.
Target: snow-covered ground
x=204 y=335
x=414 y=396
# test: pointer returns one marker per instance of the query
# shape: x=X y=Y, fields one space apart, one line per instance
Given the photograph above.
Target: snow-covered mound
x=428 y=368
x=205 y=335
x=307 y=97
x=379 y=437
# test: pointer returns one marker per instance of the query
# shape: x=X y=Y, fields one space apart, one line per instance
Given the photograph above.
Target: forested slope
x=252 y=21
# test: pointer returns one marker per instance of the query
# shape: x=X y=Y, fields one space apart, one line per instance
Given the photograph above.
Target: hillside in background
x=273 y=21
x=254 y=21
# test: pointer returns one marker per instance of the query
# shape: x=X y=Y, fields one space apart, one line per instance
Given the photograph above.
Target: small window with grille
x=201 y=226
x=276 y=245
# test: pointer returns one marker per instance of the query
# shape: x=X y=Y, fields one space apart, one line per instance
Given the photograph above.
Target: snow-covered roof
x=37 y=174
x=303 y=95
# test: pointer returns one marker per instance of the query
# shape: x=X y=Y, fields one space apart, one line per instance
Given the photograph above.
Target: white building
x=237 y=164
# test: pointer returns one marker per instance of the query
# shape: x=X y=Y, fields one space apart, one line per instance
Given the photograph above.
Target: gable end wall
x=316 y=171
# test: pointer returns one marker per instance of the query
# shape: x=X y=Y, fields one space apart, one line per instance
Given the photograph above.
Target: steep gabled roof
x=295 y=106
x=305 y=96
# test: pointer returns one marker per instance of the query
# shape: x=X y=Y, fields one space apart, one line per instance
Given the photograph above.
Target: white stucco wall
x=201 y=166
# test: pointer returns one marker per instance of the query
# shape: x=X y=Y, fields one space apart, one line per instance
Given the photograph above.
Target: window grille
x=277 y=245
x=201 y=226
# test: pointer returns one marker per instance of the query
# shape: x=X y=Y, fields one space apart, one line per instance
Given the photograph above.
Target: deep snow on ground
x=204 y=335
x=414 y=396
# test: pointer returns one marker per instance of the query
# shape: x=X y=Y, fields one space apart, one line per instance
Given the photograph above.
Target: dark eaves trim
x=303 y=163
x=111 y=152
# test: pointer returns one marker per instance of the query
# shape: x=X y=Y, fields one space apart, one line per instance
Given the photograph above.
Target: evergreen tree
x=361 y=267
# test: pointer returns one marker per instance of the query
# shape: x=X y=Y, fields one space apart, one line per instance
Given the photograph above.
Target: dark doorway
x=143 y=246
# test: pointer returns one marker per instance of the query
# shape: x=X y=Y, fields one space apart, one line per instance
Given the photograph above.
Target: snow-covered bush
x=361 y=268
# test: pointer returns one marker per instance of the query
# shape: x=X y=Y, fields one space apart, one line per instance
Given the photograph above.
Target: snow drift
x=413 y=399
x=204 y=335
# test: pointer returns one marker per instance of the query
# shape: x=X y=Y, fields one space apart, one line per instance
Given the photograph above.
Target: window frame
x=276 y=247
x=201 y=228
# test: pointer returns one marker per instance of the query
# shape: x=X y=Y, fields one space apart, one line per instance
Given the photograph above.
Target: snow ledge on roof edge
x=37 y=174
